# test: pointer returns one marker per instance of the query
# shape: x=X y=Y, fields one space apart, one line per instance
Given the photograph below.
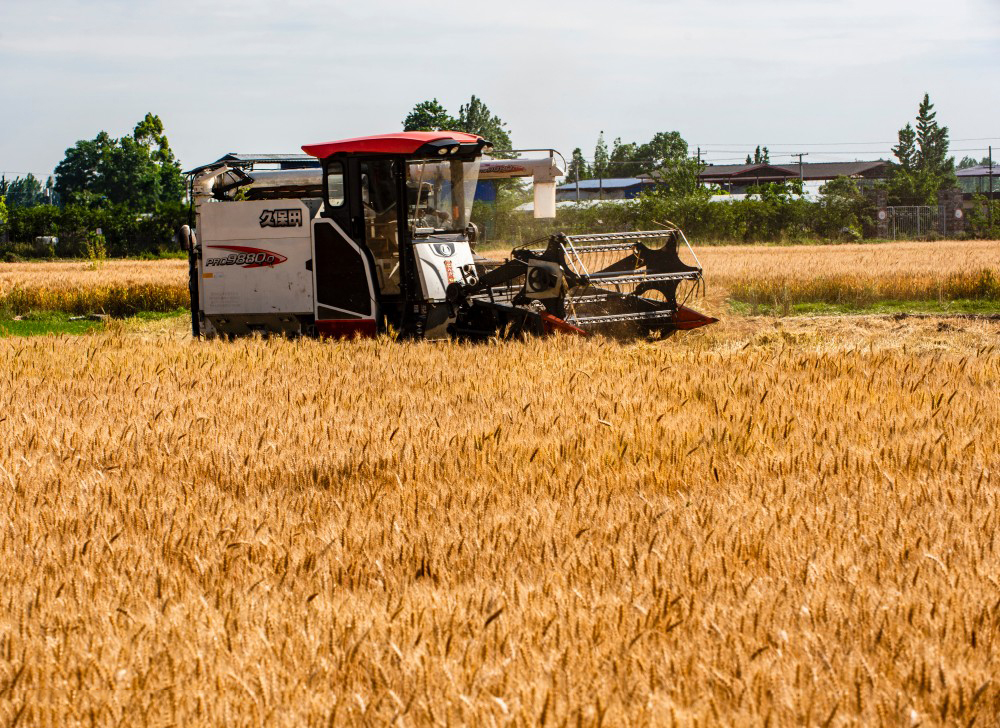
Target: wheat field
x=858 y=274
x=115 y=287
x=783 y=522
x=65 y=274
x=946 y=257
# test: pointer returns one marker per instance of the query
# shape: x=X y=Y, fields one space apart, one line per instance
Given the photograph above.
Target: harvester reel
x=617 y=284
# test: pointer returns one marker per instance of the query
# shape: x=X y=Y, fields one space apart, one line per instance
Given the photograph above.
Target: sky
x=835 y=79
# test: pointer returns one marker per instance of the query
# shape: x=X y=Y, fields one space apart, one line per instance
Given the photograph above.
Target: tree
x=664 y=147
x=622 y=161
x=23 y=191
x=923 y=166
x=760 y=156
x=77 y=174
x=3 y=217
x=476 y=118
x=473 y=118
x=906 y=150
x=844 y=209
x=601 y=157
x=932 y=142
x=139 y=170
x=429 y=116
x=578 y=167
x=969 y=162
x=665 y=156
x=148 y=134
x=680 y=177
x=631 y=159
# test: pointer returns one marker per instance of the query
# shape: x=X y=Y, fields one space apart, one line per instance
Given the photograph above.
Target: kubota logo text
x=245 y=256
x=281 y=218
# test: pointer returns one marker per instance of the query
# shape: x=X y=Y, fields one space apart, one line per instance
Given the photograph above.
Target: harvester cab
x=375 y=234
x=395 y=231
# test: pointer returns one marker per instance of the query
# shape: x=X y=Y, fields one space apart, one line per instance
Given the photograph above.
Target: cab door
x=345 y=300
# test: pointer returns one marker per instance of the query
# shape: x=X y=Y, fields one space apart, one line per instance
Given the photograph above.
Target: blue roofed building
x=611 y=188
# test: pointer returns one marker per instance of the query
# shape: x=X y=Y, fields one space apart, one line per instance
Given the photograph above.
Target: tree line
x=123 y=195
x=131 y=189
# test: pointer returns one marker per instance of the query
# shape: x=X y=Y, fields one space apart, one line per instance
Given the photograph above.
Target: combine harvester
x=370 y=234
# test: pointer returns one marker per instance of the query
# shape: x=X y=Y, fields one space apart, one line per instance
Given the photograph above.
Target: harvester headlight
x=487 y=149
x=453 y=150
x=443 y=150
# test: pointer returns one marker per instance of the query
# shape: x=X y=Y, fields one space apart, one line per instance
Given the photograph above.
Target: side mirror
x=184 y=237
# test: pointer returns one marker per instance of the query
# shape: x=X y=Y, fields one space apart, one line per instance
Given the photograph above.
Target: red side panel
x=347 y=329
x=686 y=319
x=405 y=142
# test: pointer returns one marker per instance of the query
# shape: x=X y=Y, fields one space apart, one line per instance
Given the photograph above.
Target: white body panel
x=254 y=257
x=441 y=263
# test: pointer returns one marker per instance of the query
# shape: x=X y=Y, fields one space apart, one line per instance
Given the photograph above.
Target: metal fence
x=911 y=221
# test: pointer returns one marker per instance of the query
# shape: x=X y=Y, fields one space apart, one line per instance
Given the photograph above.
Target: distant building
x=610 y=188
x=738 y=178
x=735 y=179
x=976 y=180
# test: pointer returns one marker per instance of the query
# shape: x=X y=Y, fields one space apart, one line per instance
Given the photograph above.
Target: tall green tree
x=760 y=156
x=476 y=118
x=632 y=159
x=623 y=161
x=600 y=168
x=23 y=191
x=923 y=166
x=78 y=174
x=429 y=116
x=906 y=149
x=679 y=176
x=932 y=142
x=149 y=134
x=969 y=162
x=665 y=147
x=138 y=170
x=578 y=167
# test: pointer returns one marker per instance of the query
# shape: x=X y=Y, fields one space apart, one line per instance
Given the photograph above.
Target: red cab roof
x=404 y=142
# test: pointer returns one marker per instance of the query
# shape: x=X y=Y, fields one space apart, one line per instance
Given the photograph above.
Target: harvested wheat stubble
x=794 y=523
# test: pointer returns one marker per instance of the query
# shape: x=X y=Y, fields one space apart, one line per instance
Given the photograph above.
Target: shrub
x=125 y=231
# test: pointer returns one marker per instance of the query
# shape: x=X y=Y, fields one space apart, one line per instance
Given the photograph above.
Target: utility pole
x=990 y=208
x=801 y=174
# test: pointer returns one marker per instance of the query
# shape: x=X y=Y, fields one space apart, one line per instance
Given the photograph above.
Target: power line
x=833 y=144
x=38 y=175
